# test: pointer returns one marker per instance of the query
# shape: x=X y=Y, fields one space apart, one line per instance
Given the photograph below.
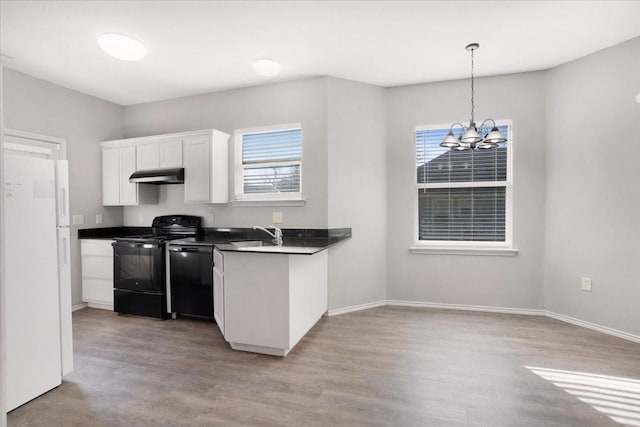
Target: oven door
x=138 y=266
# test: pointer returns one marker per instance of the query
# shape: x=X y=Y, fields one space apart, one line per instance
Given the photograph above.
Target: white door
x=148 y=156
x=110 y=177
x=218 y=299
x=128 y=190
x=171 y=154
x=32 y=315
x=197 y=170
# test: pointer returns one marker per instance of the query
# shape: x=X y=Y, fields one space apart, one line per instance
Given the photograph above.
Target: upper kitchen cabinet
x=204 y=155
x=159 y=154
x=206 y=168
x=118 y=163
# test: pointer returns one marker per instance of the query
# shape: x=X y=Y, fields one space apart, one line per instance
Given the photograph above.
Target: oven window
x=138 y=269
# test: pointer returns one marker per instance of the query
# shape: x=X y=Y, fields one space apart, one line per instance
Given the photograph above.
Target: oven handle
x=191 y=249
x=136 y=245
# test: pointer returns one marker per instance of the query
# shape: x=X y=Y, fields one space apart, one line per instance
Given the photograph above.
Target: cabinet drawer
x=97 y=267
x=97 y=247
x=218 y=260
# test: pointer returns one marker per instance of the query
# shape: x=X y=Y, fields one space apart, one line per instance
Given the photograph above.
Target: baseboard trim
x=464 y=307
x=593 y=326
x=489 y=309
x=80 y=306
x=352 y=308
x=100 y=305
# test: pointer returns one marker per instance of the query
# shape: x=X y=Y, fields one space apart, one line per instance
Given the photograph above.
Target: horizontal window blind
x=462 y=214
x=271 y=162
x=272 y=179
x=440 y=164
x=448 y=210
x=272 y=146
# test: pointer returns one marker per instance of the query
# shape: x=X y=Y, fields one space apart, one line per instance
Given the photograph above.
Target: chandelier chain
x=472 y=88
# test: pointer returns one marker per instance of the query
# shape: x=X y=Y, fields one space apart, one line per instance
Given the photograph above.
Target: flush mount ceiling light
x=267 y=67
x=473 y=137
x=122 y=47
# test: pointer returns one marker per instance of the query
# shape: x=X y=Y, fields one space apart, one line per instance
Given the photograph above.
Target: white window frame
x=267 y=198
x=451 y=247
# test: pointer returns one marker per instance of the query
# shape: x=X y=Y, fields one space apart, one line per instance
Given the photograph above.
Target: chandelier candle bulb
x=473 y=137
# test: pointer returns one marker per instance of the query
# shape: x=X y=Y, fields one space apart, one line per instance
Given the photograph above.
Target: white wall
x=357 y=192
x=38 y=106
x=593 y=192
x=303 y=101
x=514 y=282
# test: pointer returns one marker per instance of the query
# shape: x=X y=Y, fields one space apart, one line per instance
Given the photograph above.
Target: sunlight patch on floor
x=616 y=397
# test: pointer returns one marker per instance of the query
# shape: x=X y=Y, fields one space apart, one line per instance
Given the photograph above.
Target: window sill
x=482 y=251
x=267 y=202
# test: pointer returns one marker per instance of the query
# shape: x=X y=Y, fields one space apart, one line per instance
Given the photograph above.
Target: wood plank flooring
x=388 y=366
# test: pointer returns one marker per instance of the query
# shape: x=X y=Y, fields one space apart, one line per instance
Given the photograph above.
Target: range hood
x=158 y=176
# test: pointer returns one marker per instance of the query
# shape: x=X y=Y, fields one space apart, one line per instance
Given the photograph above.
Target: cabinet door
x=218 y=299
x=197 y=170
x=148 y=156
x=110 y=176
x=128 y=191
x=171 y=154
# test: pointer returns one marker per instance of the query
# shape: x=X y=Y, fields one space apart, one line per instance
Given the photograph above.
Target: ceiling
x=198 y=46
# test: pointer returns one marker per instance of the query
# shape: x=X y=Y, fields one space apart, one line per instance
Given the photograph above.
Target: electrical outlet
x=140 y=218
x=77 y=220
x=276 y=217
x=98 y=218
x=586 y=284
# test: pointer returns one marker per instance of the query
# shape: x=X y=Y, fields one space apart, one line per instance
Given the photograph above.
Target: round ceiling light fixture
x=122 y=46
x=267 y=67
x=638 y=98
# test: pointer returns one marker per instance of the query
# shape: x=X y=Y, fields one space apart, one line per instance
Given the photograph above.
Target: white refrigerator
x=39 y=348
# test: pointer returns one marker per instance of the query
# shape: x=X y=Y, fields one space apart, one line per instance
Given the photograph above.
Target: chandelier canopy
x=472 y=137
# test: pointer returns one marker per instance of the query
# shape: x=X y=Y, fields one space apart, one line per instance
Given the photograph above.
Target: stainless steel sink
x=248 y=243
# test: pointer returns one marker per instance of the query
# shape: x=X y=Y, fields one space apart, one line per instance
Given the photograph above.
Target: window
x=463 y=197
x=269 y=163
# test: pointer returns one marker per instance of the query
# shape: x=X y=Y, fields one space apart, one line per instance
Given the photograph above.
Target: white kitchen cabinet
x=272 y=300
x=97 y=273
x=110 y=176
x=204 y=154
x=218 y=289
x=159 y=154
x=118 y=163
x=206 y=168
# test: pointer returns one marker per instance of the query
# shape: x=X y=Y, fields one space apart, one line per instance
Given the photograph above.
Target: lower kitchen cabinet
x=97 y=273
x=218 y=289
x=272 y=300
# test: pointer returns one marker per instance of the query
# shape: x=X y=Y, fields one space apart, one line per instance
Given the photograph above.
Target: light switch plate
x=276 y=217
x=586 y=284
x=210 y=218
x=77 y=219
x=140 y=219
x=98 y=218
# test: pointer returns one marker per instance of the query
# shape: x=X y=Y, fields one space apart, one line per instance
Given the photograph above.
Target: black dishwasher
x=191 y=278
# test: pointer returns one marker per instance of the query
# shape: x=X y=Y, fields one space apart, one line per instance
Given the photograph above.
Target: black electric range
x=139 y=267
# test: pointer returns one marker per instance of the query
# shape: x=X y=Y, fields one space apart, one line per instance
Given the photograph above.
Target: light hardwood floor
x=385 y=366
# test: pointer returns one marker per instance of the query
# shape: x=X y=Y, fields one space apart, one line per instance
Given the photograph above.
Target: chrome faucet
x=277 y=234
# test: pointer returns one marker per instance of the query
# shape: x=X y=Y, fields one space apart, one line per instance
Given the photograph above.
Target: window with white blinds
x=461 y=195
x=268 y=164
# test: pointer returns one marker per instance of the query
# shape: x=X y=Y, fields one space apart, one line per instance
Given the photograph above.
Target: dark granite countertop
x=303 y=241
x=109 y=233
x=306 y=241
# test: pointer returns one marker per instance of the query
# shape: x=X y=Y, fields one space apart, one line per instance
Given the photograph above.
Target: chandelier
x=473 y=137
